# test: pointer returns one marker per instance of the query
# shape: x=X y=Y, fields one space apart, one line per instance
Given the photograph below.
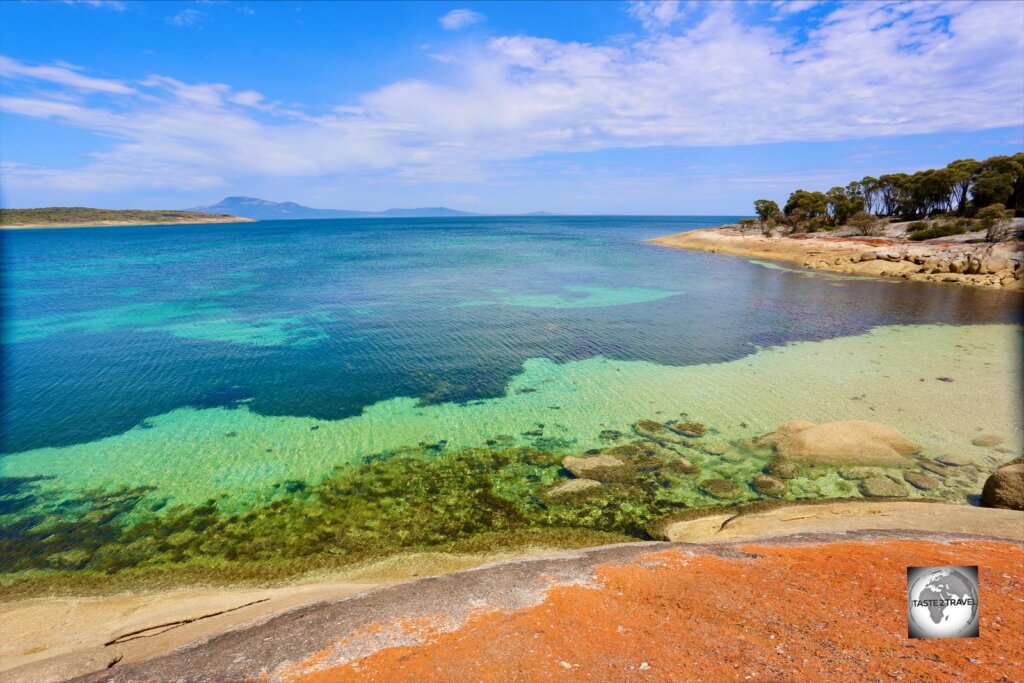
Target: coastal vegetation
x=66 y=216
x=964 y=196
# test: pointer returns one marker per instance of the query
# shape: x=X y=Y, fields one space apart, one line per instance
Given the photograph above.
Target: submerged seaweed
x=409 y=499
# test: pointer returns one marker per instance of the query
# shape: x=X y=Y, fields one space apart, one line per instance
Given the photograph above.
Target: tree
x=962 y=174
x=813 y=204
x=869 y=191
x=997 y=182
x=890 y=189
x=766 y=210
x=1018 y=187
x=844 y=202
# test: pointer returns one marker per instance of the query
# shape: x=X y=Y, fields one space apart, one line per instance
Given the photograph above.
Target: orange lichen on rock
x=817 y=612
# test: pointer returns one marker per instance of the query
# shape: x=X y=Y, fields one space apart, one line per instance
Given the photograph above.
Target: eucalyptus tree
x=963 y=172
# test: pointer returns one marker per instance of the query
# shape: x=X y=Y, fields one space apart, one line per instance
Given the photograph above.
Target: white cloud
x=865 y=70
x=61 y=75
x=459 y=19
x=186 y=18
x=656 y=14
x=115 y=5
x=794 y=6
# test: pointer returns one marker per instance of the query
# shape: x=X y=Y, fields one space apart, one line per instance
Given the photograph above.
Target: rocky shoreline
x=993 y=266
x=679 y=611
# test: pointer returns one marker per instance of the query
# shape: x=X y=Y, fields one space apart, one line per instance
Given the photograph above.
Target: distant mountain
x=263 y=210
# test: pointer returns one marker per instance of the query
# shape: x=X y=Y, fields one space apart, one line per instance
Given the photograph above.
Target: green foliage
x=996 y=219
x=865 y=223
x=924 y=232
x=960 y=188
x=747 y=222
x=78 y=215
x=812 y=204
x=766 y=209
x=844 y=202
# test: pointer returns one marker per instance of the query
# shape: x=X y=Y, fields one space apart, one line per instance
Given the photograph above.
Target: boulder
x=768 y=485
x=878 y=487
x=858 y=473
x=1005 y=488
x=921 y=481
x=720 y=488
x=655 y=431
x=681 y=464
x=603 y=467
x=691 y=430
x=572 y=487
x=849 y=441
x=987 y=440
x=783 y=470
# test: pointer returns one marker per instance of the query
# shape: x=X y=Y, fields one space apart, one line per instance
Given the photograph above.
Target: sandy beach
x=982 y=265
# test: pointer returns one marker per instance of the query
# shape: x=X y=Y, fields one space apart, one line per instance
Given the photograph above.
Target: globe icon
x=944 y=604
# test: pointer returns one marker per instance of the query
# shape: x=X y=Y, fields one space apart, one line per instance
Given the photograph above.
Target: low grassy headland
x=940 y=225
x=79 y=216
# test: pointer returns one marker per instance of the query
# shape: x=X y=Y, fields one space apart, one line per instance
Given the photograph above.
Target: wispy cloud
x=656 y=15
x=115 y=5
x=186 y=18
x=459 y=19
x=65 y=75
x=719 y=78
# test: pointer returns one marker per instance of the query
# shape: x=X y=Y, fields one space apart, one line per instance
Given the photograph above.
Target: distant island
x=80 y=216
x=264 y=210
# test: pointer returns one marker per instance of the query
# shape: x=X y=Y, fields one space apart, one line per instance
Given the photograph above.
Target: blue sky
x=653 y=108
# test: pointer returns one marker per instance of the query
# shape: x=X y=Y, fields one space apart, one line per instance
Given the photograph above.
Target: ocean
x=162 y=375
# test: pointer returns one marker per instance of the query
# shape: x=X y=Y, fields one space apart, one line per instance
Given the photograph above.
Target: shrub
x=996 y=219
x=940 y=230
x=865 y=223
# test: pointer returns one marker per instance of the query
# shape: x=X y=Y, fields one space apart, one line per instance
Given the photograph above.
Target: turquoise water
x=171 y=368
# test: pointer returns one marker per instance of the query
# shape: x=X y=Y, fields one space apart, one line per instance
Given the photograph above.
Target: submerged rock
x=987 y=440
x=934 y=467
x=768 y=485
x=953 y=460
x=609 y=435
x=655 y=431
x=1005 y=488
x=692 y=430
x=921 y=481
x=783 y=469
x=603 y=467
x=858 y=473
x=850 y=441
x=572 y=487
x=715 y=447
x=720 y=488
x=878 y=487
x=681 y=464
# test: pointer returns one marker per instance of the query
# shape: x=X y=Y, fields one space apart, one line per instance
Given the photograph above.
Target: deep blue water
x=105 y=327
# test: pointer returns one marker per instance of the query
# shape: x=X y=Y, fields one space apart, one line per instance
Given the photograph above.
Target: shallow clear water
x=223 y=361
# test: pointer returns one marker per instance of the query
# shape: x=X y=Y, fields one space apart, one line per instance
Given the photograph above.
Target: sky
x=491 y=107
